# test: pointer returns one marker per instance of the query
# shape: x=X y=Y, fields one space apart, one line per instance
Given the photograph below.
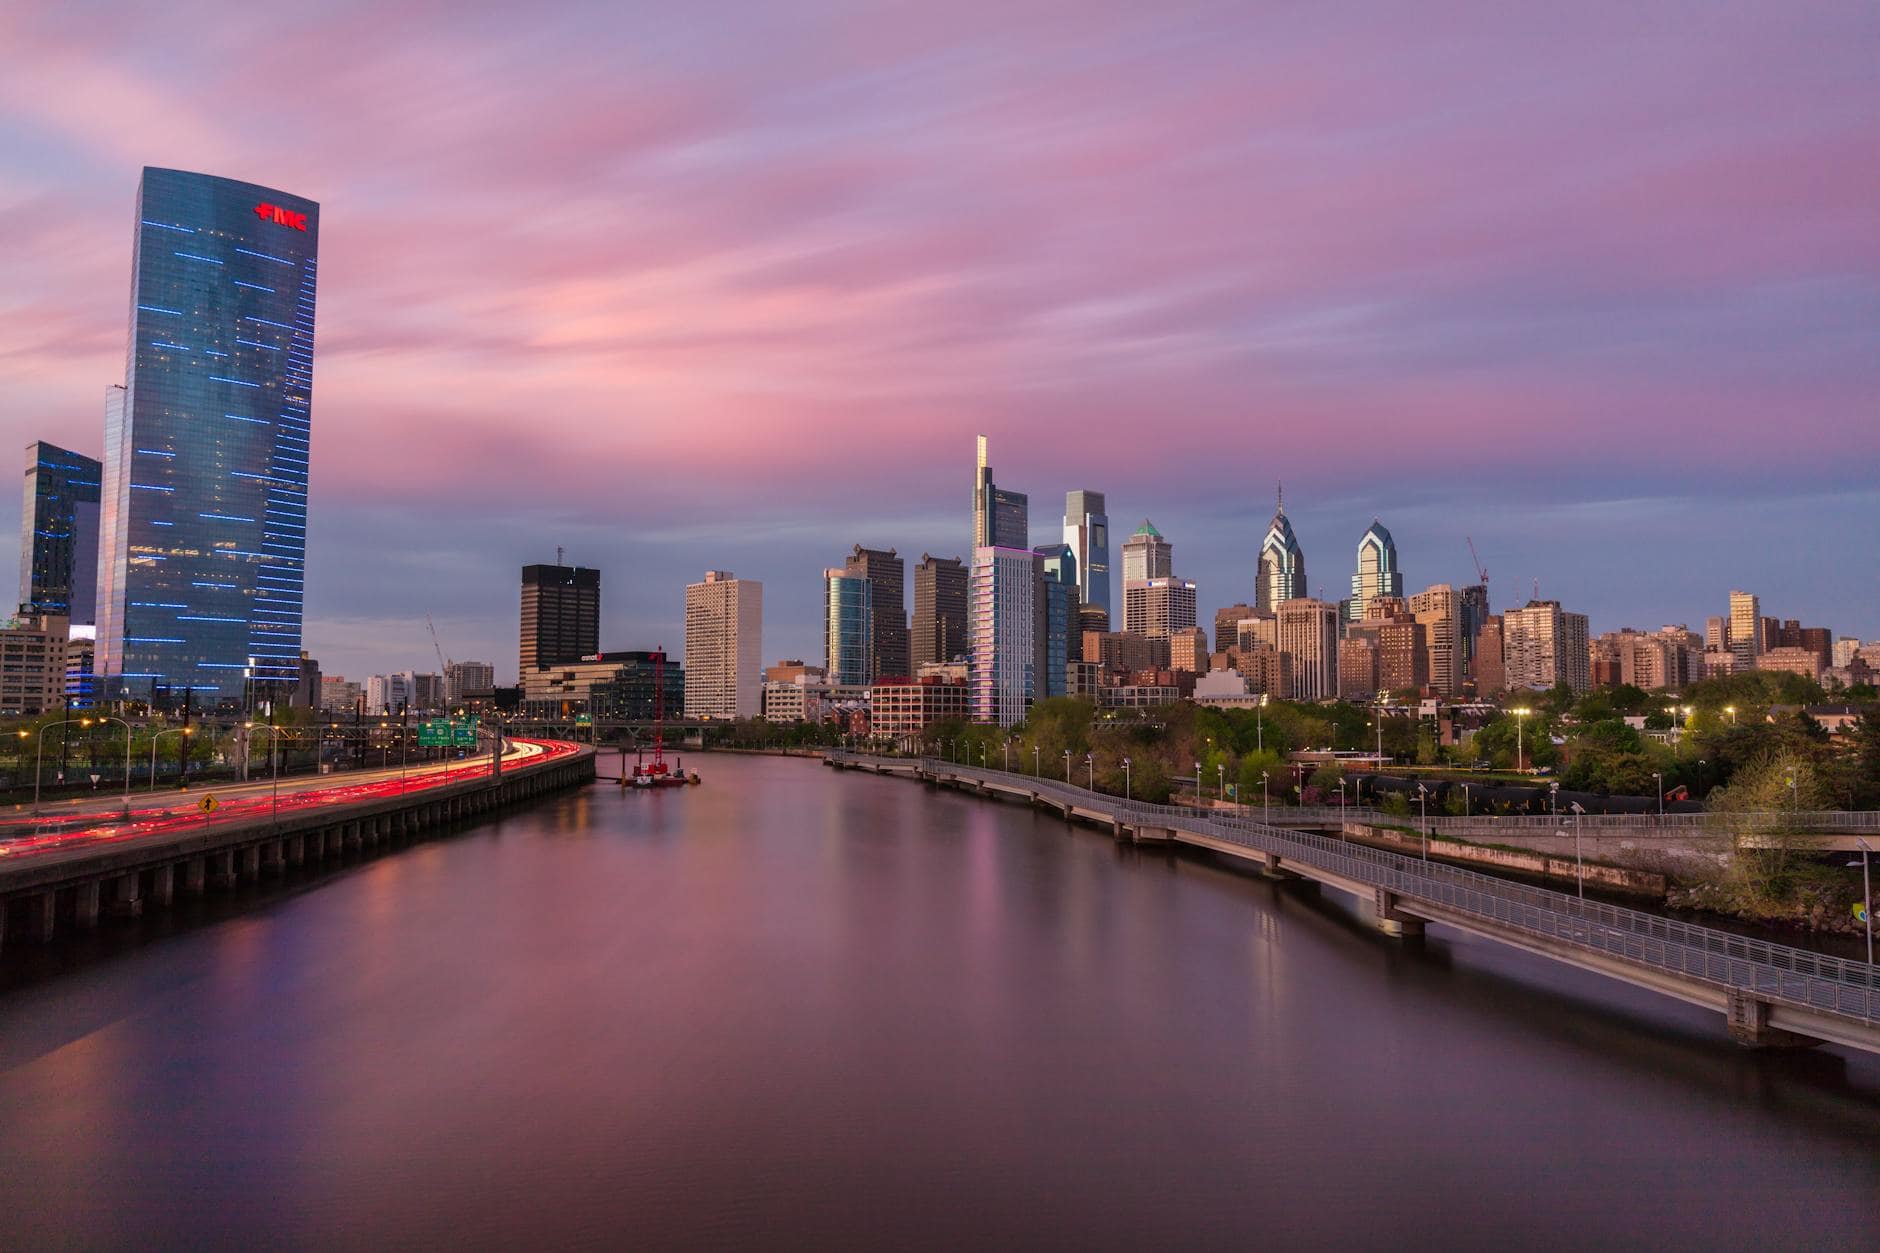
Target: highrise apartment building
x=1377 y=574
x=203 y=508
x=939 y=632
x=1087 y=533
x=1003 y=677
x=724 y=646
x=1227 y=626
x=1158 y=607
x=1542 y=646
x=1001 y=519
x=1055 y=608
x=1439 y=610
x=887 y=575
x=468 y=681
x=848 y=627
x=59 y=534
x=1308 y=633
x=1474 y=610
x=561 y=615
x=1491 y=674
x=1745 y=639
x=1282 y=574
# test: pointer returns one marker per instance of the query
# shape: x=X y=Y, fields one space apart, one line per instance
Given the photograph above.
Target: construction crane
x=443 y=666
x=1481 y=571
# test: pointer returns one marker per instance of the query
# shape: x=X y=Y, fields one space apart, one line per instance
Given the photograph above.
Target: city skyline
x=1423 y=365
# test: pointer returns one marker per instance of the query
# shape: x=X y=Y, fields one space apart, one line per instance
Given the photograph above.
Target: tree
x=1759 y=813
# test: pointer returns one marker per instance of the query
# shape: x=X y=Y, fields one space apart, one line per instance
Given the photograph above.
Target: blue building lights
x=203 y=554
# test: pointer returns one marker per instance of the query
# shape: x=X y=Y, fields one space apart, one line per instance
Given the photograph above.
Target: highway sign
x=208 y=804
x=447 y=733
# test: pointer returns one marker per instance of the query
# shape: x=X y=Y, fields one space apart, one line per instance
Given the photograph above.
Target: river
x=799 y=1008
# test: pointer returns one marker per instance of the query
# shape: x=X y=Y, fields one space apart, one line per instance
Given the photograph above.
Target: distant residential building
x=338 y=695
x=1282 y=575
x=1055 y=605
x=1004 y=640
x=388 y=694
x=59 y=534
x=1125 y=651
x=1092 y=618
x=1803 y=661
x=469 y=681
x=1225 y=689
x=848 y=627
x=909 y=706
x=1308 y=633
x=1716 y=632
x=887 y=577
x=1268 y=671
x=561 y=614
x=1439 y=610
x=939 y=632
x=1669 y=658
x=1001 y=519
x=1188 y=650
x=1543 y=646
x=1843 y=651
x=794 y=671
x=32 y=665
x=724 y=641
x=1491 y=673
x=1745 y=628
x=1227 y=626
x=1158 y=607
x=1378 y=573
x=1719 y=663
x=794 y=692
x=424 y=693
x=1357 y=667
x=1146 y=555
x=1087 y=532
x=1473 y=606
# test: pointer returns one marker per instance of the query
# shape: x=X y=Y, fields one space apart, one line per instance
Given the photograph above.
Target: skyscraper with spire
x=1282 y=574
x=1001 y=519
x=1377 y=573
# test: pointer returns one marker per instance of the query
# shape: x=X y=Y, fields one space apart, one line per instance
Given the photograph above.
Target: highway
x=84 y=823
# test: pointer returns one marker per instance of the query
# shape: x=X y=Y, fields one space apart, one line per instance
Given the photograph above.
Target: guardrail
x=1771 y=972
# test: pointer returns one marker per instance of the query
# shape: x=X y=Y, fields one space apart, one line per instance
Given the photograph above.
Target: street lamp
x=183 y=731
x=1125 y=778
x=1037 y=768
x=39 y=758
x=274 y=759
x=1465 y=801
x=1658 y=781
x=1731 y=710
x=127 y=757
x=1067 y=767
x=1197 y=785
x=1090 y=763
x=1008 y=754
x=1866 y=895
x=1220 y=780
x=1341 y=808
x=1553 y=795
x=1266 y=807
x=1423 y=799
x=1520 y=758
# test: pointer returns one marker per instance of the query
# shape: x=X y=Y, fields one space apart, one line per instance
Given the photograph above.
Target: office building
x=1716 y=633
x=1004 y=639
x=1745 y=639
x=1491 y=675
x=939 y=632
x=887 y=575
x=642 y=685
x=1308 y=634
x=1474 y=609
x=724 y=646
x=1357 y=667
x=848 y=628
x=1146 y=555
x=1001 y=519
x=203 y=507
x=469 y=681
x=1055 y=601
x=1439 y=610
x=1087 y=532
x=59 y=534
x=561 y=615
x=387 y=694
x=339 y=695
x=1282 y=574
x=33 y=665
x=1188 y=650
x=1378 y=573
x=903 y=707
x=1543 y=646
x=1158 y=607
x=1227 y=626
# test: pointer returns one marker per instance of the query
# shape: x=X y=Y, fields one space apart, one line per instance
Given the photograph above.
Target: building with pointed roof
x=1377 y=573
x=1282 y=574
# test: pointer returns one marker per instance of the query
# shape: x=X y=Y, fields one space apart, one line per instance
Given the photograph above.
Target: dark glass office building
x=204 y=515
x=59 y=540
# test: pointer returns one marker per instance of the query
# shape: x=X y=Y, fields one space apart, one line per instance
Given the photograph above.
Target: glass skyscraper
x=1377 y=573
x=1087 y=531
x=59 y=534
x=202 y=559
x=848 y=626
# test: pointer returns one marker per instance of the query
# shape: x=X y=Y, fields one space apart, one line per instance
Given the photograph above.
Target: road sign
x=447 y=733
x=208 y=804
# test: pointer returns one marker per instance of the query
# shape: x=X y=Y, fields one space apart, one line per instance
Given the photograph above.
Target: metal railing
x=1772 y=972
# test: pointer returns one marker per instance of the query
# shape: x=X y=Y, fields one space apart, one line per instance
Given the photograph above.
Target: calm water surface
x=799 y=1008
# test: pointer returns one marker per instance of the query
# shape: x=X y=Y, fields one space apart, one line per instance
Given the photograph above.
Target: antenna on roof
x=558 y=554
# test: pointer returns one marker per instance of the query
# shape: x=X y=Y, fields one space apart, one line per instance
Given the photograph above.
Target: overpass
x=1770 y=994
x=66 y=876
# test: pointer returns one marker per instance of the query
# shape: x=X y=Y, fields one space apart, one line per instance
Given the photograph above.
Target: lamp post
x=1266 y=807
x=1553 y=797
x=1731 y=710
x=185 y=732
x=1220 y=780
x=274 y=760
x=1465 y=801
x=1341 y=809
x=127 y=758
x=1125 y=778
x=1197 y=785
x=1866 y=895
x=1037 y=768
x=1520 y=758
x=1579 y=864
x=1423 y=799
x=1090 y=763
x=1008 y=754
x=1658 y=782
x=1067 y=767
x=40 y=757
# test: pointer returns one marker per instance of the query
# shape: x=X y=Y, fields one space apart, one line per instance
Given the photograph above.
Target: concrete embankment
x=1521 y=861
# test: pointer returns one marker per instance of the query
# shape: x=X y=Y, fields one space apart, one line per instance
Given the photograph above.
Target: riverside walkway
x=1769 y=994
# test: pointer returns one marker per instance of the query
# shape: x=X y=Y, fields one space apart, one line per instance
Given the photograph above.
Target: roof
x=1147 y=528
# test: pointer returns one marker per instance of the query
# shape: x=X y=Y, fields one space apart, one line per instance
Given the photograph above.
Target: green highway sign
x=447 y=733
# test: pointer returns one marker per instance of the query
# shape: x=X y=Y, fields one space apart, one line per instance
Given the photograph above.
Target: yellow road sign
x=208 y=804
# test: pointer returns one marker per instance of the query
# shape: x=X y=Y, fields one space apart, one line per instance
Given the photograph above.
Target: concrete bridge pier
x=85 y=905
x=296 y=849
x=222 y=870
x=249 y=863
x=38 y=917
x=273 y=857
x=195 y=876
x=1392 y=921
x=1748 y=1020
x=163 y=885
x=1271 y=869
x=126 y=896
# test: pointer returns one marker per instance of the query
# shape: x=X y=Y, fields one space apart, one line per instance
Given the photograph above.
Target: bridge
x=64 y=874
x=1769 y=994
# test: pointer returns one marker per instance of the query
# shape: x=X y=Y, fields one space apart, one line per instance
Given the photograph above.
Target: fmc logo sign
x=284 y=217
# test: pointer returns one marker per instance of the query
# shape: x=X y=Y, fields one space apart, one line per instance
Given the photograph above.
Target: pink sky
x=733 y=286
